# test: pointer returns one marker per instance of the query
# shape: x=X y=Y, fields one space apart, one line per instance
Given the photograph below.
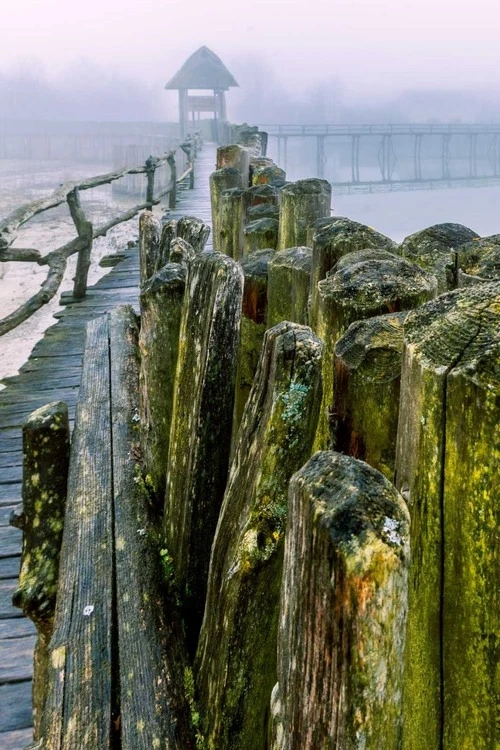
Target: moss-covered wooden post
x=446 y=465
x=154 y=709
x=262 y=211
x=361 y=290
x=269 y=175
x=161 y=307
x=236 y=157
x=289 y=284
x=231 y=223
x=168 y=233
x=235 y=666
x=367 y=376
x=181 y=251
x=256 y=196
x=333 y=239
x=253 y=327
x=200 y=436
x=302 y=203
x=221 y=180
x=343 y=609
x=324 y=221
x=256 y=163
x=193 y=230
x=45 y=476
x=434 y=249
x=478 y=261
x=260 y=234
x=149 y=244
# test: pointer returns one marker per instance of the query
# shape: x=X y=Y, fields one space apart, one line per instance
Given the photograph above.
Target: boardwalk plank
x=15 y=700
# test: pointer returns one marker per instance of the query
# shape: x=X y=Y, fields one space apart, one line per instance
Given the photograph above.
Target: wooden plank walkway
x=53 y=373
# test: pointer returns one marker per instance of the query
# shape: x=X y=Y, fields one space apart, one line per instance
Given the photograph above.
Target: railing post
x=85 y=232
x=150 y=174
x=172 y=197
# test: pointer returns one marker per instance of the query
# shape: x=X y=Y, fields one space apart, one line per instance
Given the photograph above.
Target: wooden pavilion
x=202 y=71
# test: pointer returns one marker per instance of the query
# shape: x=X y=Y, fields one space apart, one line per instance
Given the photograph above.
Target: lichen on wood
x=343 y=609
x=448 y=444
x=202 y=414
x=301 y=204
x=149 y=244
x=45 y=476
x=289 y=285
x=260 y=234
x=236 y=157
x=221 y=180
x=235 y=667
x=231 y=223
x=161 y=307
x=357 y=291
x=434 y=249
x=367 y=376
x=334 y=238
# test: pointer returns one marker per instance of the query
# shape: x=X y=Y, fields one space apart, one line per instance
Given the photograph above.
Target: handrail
x=276 y=130
x=69 y=193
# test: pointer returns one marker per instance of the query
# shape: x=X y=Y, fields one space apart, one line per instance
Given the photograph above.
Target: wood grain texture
x=235 y=666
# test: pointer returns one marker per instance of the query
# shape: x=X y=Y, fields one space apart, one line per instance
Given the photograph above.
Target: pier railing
x=180 y=160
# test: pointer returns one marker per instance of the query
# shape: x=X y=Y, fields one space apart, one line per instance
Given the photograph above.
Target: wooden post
x=85 y=231
x=257 y=195
x=235 y=667
x=78 y=706
x=434 y=249
x=149 y=244
x=302 y=203
x=45 y=475
x=181 y=251
x=333 y=239
x=161 y=307
x=269 y=175
x=257 y=163
x=478 y=261
x=358 y=291
x=168 y=233
x=154 y=709
x=253 y=327
x=367 y=376
x=194 y=231
x=260 y=234
x=263 y=211
x=200 y=434
x=231 y=223
x=221 y=180
x=236 y=157
x=150 y=175
x=172 y=196
x=288 y=286
x=446 y=465
x=343 y=609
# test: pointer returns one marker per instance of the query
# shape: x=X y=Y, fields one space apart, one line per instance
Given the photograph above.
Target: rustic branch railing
x=69 y=193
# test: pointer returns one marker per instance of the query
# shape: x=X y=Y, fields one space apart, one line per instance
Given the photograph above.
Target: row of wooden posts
x=300 y=439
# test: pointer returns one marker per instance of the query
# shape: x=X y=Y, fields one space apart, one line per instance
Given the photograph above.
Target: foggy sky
x=373 y=46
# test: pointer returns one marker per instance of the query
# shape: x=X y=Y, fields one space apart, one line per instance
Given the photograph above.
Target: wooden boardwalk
x=52 y=373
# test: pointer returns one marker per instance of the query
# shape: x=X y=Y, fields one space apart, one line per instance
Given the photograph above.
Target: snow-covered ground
x=23 y=181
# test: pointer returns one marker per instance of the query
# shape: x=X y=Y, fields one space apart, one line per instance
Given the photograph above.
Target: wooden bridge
x=393 y=157
x=52 y=373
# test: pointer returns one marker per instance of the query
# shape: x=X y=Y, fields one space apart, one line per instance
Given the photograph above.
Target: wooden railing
x=69 y=193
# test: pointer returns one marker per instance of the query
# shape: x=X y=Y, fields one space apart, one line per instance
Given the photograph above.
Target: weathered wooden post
x=256 y=163
x=235 y=666
x=172 y=196
x=253 y=327
x=263 y=211
x=256 y=196
x=150 y=176
x=343 y=609
x=194 y=231
x=447 y=467
x=357 y=291
x=161 y=307
x=231 y=223
x=150 y=231
x=237 y=157
x=181 y=251
x=221 y=180
x=269 y=175
x=478 y=261
x=154 y=709
x=333 y=239
x=302 y=203
x=45 y=476
x=367 y=376
x=168 y=233
x=434 y=249
x=200 y=434
x=260 y=234
x=85 y=231
x=289 y=285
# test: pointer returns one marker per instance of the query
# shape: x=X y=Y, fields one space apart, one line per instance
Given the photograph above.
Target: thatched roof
x=203 y=70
